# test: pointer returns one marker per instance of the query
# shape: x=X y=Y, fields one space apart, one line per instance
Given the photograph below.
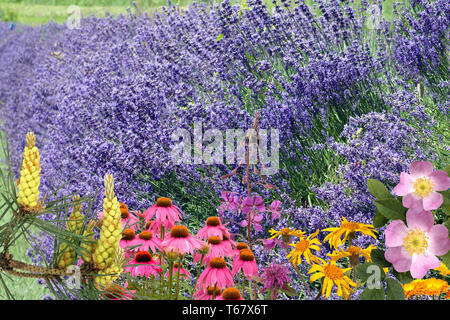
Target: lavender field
x=116 y=159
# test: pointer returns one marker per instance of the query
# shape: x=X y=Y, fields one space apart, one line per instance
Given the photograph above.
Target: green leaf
x=447 y=223
x=377 y=256
x=446 y=259
x=446 y=203
x=447 y=169
x=403 y=277
x=368 y=269
x=379 y=220
x=392 y=209
x=372 y=294
x=220 y=36
x=394 y=290
x=378 y=189
x=289 y=291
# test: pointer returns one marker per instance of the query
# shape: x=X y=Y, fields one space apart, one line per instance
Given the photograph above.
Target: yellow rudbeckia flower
x=303 y=248
x=332 y=275
x=339 y=235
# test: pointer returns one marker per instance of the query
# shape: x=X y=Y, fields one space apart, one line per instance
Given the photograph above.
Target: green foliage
x=372 y=294
x=391 y=209
x=378 y=189
x=365 y=270
x=394 y=290
x=377 y=256
x=403 y=277
x=446 y=259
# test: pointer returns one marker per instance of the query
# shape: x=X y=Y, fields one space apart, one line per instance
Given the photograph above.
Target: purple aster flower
x=275 y=277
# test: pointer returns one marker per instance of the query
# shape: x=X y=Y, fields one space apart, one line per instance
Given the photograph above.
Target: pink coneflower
x=418 y=188
x=228 y=245
x=148 y=241
x=218 y=248
x=183 y=272
x=275 y=277
x=216 y=273
x=128 y=219
x=237 y=249
x=147 y=265
x=167 y=214
x=230 y=294
x=179 y=240
x=116 y=292
x=246 y=262
x=208 y=294
x=213 y=228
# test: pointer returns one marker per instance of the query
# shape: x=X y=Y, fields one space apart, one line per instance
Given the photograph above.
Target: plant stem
x=170 y=279
x=198 y=274
x=177 y=290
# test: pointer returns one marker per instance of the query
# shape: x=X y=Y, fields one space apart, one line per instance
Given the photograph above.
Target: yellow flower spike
x=75 y=223
x=332 y=275
x=303 y=248
x=89 y=247
x=111 y=231
x=29 y=181
x=347 y=229
x=67 y=256
x=112 y=272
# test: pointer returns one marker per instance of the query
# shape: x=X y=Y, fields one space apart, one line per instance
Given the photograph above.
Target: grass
x=21 y=288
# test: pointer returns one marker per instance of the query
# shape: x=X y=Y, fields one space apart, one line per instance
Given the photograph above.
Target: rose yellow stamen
x=213 y=221
x=246 y=255
x=231 y=294
x=146 y=235
x=163 y=202
x=218 y=263
x=179 y=232
x=416 y=242
x=214 y=240
x=143 y=256
x=128 y=234
x=423 y=187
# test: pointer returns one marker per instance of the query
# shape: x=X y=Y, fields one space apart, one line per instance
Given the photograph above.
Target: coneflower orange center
x=333 y=272
x=246 y=255
x=416 y=241
x=114 y=292
x=124 y=211
x=217 y=263
x=143 y=256
x=163 y=202
x=213 y=221
x=148 y=223
x=176 y=264
x=241 y=245
x=128 y=234
x=145 y=235
x=423 y=187
x=211 y=291
x=231 y=294
x=179 y=232
x=214 y=240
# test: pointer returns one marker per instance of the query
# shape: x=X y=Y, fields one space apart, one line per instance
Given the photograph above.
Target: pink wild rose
x=418 y=188
x=414 y=247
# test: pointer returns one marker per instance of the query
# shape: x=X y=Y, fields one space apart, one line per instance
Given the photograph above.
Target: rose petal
x=413 y=202
x=433 y=201
x=423 y=220
x=420 y=168
x=439 y=242
x=422 y=263
x=405 y=186
x=440 y=180
x=399 y=258
x=395 y=232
